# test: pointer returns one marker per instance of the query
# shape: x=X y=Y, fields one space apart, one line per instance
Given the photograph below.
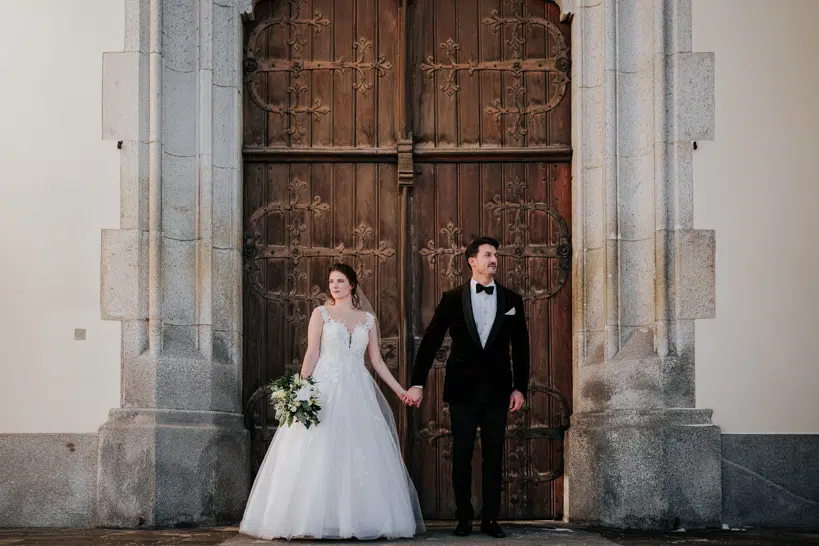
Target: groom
x=484 y=319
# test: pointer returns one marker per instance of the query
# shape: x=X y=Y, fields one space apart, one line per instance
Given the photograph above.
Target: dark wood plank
x=560 y=117
x=255 y=118
x=470 y=201
x=512 y=232
x=344 y=220
x=539 y=323
x=253 y=304
x=321 y=81
x=387 y=46
x=277 y=83
x=253 y=313
x=298 y=312
x=303 y=49
x=446 y=220
x=365 y=96
x=387 y=226
x=424 y=89
x=561 y=319
x=426 y=451
x=470 y=110
x=491 y=44
x=366 y=221
x=343 y=116
x=536 y=83
x=446 y=110
x=322 y=185
x=278 y=351
x=492 y=184
x=505 y=33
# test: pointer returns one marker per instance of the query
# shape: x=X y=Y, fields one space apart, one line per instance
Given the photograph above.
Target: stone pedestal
x=164 y=468
x=176 y=452
x=645 y=469
x=638 y=453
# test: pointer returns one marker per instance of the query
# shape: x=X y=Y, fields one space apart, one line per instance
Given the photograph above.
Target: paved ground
x=439 y=535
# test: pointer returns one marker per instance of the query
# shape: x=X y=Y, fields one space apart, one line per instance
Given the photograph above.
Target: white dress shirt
x=484 y=309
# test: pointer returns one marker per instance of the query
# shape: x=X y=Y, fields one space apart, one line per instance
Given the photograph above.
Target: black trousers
x=490 y=416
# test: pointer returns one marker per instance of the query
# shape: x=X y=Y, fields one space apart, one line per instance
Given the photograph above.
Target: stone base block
x=167 y=468
x=644 y=469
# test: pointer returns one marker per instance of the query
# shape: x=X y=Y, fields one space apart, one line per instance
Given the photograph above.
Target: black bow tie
x=480 y=288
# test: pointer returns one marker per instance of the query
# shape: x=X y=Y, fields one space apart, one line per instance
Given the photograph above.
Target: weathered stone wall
x=639 y=454
x=172 y=270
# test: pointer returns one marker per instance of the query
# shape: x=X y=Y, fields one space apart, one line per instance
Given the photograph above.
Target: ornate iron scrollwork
x=249 y=247
x=298 y=25
x=516 y=107
x=452 y=250
x=522 y=469
x=518 y=249
x=295 y=210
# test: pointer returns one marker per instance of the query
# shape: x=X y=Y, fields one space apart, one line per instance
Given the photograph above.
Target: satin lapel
x=469 y=316
x=499 y=315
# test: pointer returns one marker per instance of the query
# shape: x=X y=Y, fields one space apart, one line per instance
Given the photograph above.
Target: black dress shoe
x=464 y=528
x=492 y=529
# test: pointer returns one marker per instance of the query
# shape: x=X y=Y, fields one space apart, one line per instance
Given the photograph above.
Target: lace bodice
x=339 y=340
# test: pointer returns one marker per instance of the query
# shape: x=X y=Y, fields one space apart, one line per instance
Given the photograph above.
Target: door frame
x=407 y=155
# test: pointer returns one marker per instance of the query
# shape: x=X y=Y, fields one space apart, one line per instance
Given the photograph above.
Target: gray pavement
x=439 y=534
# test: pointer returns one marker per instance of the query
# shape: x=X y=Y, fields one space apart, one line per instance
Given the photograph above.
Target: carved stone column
x=176 y=450
x=639 y=454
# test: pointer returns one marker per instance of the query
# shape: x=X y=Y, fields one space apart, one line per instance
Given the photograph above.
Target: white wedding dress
x=343 y=478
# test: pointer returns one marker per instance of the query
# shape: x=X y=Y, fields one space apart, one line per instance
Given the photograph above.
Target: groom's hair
x=472 y=249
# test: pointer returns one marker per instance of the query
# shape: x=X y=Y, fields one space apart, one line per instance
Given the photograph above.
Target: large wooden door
x=335 y=91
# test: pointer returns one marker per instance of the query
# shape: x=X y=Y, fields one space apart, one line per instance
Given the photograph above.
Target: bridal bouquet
x=295 y=399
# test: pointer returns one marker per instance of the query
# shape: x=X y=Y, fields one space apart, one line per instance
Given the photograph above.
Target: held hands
x=412 y=397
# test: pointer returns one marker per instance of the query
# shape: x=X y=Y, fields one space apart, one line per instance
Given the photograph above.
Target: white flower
x=304 y=393
x=280 y=395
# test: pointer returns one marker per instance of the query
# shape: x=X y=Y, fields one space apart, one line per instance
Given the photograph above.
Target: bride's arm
x=374 y=352
x=311 y=356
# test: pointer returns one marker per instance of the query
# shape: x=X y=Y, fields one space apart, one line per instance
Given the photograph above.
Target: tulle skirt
x=344 y=478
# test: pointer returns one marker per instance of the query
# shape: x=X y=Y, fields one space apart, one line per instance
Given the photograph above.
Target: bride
x=343 y=478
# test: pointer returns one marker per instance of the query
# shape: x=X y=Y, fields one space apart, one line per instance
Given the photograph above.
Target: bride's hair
x=352 y=277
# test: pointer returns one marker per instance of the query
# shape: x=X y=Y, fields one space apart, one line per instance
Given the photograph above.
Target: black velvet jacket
x=470 y=365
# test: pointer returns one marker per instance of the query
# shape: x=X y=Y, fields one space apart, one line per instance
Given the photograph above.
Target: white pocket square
x=510 y=312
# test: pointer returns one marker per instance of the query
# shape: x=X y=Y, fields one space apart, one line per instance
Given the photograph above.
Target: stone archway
x=639 y=455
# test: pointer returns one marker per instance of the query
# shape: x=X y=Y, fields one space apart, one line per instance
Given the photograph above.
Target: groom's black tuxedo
x=470 y=366
x=478 y=383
